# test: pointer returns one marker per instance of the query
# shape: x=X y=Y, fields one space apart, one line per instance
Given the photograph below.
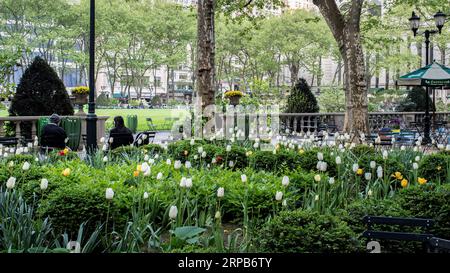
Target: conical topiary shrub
x=40 y=92
x=301 y=100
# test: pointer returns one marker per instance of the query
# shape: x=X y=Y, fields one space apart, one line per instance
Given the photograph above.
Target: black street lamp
x=91 y=119
x=414 y=21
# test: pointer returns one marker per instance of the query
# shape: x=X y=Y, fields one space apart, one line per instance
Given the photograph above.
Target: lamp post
x=439 y=19
x=91 y=119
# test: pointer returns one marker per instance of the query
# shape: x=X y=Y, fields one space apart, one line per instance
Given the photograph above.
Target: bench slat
x=400 y=236
x=420 y=222
x=440 y=243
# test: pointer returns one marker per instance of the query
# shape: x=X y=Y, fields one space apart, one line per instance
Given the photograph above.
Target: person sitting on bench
x=52 y=135
x=121 y=135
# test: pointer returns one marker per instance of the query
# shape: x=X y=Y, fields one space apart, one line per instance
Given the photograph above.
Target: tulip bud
x=279 y=196
x=145 y=195
x=338 y=160
x=159 y=176
x=220 y=192
x=373 y=164
x=243 y=178
x=173 y=212
x=109 y=194
x=11 y=183
x=44 y=184
x=285 y=181
x=26 y=166
x=228 y=149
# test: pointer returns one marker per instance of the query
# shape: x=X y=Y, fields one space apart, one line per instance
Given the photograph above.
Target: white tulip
x=317 y=178
x=169 y=162
x=231 y=164
x=320 y=156
x=338 y=160
x=11 y=183
x=111 y=140
x=331 y=180
x=373 y=164
x=151 y=161
x=203 y=154
x=285 y=181
x=146 y=158
x=192 y=142
x=369 y=193
x=415 y=149
x=102 y=139
x=189 y=183
x=104 y=148
x=26 y=166
x=177 y=164
x=385 y=154
x=145 y=195
x=187 y=164
x=195 y=157
x=228 y=149
x=243 y=178
x=139 y=141
x=109 y=194
x=156 y=157
x=220 y=192
x=355 y=167
x=279 y=196
x=256 y=145
x=316 y=198
x=284 y=203
x=417 y=159
x=25 y=150
x=368 y=176
x=159 y=176
x=183 y=182
x=415 y=166
x=402 y=148
x=145 y=167
x=105 y=159
x=200 y=150
x=380 y=172
x=11 y=164
x=213 y=161
x=44 y=184
x=173 y=212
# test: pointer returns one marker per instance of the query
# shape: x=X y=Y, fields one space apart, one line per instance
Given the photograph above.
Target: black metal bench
x=9 y=141
x=440 y=245
x=425 y=237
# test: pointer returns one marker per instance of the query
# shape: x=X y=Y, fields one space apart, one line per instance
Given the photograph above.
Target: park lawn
x=158 y=116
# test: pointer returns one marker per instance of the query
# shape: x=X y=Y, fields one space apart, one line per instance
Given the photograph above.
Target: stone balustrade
x=17 y=120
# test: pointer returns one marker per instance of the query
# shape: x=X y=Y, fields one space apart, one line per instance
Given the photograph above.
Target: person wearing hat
x=52 y=135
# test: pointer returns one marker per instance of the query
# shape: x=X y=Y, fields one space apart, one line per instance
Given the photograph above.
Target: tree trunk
x=346 y=31
x=206 y=52
x=386 y=83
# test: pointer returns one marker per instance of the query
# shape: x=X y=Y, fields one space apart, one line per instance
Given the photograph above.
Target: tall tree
x=346 y=31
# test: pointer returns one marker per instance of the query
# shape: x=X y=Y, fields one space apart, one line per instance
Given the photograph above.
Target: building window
x=182 y=76
x=157 y=82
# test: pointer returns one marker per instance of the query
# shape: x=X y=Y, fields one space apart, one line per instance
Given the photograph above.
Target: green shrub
x=71 y=205
x=429 y=201
x=154 y=148
x=302 y=231
x=237 y=155
x=435 y=167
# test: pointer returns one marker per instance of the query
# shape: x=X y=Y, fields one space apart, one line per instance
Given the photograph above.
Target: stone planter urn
x=234 y=97
x=80 y=98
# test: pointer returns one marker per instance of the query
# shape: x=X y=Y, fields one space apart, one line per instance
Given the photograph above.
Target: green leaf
x=187 y=232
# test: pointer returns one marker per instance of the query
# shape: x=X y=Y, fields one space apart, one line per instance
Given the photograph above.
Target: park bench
x=9 y=141
x=425 y=237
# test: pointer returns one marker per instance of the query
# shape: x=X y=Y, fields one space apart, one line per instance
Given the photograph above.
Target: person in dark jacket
x=120 y=135
x=52 y=135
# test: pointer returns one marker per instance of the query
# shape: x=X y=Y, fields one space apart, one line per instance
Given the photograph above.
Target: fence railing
x=16 y=122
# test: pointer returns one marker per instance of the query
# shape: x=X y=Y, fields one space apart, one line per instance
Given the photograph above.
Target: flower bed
x=179 y=198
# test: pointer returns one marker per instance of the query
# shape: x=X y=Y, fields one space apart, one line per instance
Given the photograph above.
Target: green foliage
x=306 y=232
x=427 y=201
x=435 y=167
x=331 y=99
x=416 y=101
x=301 y=99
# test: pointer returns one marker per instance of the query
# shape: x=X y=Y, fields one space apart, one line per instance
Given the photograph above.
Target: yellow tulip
x=136 y=173
x=139 y=168
x=404 y=183
x=301 y=151
x=398 y=175
x=421 y=180
x=66 y=151
x=359 y=172
x=66 y=172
